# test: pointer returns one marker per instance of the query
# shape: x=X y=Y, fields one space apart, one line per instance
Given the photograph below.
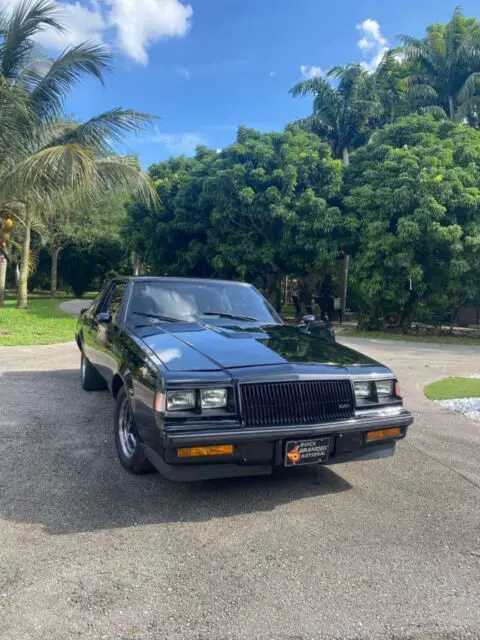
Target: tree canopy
x=415 y=190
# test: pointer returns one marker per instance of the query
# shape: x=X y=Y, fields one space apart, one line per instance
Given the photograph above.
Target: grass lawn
x=385 y=335
x=453 y=388
x=41 y=323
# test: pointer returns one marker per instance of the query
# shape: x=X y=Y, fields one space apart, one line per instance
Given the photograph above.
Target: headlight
x=181 y=400
x=384 y=388
x=363 y=390
x=214 y=398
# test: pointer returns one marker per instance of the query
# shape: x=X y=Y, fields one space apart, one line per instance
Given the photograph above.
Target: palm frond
x=421 y=92
x=313 y=85
x=48 y=94
x=40 y=176
x=471 y=87
x=453 y=34
x=104 y=132
x=122 y=175
x=28 y=18
x=315 y=124
x=15 y=119
x=346 y=72
x=469 y=108
x=434 y=110
x=419 y=52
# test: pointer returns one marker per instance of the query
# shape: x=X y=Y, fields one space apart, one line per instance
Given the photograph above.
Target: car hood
x=200 y=347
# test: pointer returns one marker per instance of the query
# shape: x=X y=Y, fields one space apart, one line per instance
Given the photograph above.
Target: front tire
x=129 y=447
x=91 y=379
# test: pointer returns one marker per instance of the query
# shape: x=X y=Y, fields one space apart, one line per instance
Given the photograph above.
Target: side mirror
x=104 y=318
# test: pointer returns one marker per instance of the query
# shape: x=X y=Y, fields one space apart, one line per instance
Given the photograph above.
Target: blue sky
x=206 y=66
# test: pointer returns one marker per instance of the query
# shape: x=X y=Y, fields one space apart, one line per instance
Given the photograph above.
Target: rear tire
x=129 y=448
x=91 y=379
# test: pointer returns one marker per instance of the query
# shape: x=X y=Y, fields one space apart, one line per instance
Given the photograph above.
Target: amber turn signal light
x=384 y=434
x=198 y=452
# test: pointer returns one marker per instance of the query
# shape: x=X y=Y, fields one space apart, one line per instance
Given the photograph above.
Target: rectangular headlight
x=363 y=390
x=214 y=398
x=384 y=388
x=181 y=400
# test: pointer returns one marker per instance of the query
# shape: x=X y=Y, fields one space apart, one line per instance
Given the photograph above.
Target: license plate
x=300 y=452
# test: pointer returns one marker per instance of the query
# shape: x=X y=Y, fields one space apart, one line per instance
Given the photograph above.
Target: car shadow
x=59 y=467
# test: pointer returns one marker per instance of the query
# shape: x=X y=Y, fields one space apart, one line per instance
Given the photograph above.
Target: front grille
x=292 y=403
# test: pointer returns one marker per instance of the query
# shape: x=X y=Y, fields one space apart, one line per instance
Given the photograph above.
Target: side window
x=115 y=298
x=95 y=304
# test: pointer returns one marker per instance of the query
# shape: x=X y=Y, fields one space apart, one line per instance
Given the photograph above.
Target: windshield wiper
x=158 y=317
x=232 y=316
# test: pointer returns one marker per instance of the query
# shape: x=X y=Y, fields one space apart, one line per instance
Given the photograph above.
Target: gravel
x=470 y=407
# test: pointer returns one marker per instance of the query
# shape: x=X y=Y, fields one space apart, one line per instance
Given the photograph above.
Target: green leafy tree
x=415 y=189
x=257 y=210
x=75 y=223
x=171 y=239
x=270 y=212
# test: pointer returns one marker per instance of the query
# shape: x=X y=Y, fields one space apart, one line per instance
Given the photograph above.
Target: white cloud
x=178 y=143
x=372 y=44
x=134 y=24
x=81 y=23
x=140 y=23
x=184 y=72
x=309 y=71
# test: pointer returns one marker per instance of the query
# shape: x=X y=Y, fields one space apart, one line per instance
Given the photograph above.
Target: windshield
x=189 y=300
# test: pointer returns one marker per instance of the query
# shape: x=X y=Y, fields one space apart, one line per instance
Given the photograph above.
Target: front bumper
x=259 y=450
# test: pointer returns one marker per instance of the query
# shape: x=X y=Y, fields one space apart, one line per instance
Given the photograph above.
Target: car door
x=105 y=353
x=89 y=324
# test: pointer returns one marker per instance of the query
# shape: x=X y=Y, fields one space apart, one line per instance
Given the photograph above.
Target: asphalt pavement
x=374 y=550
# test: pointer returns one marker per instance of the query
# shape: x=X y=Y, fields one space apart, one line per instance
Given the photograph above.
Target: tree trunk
x=17 y=276
x=22 y=295
x=54 y=271
x=346 y=265
x=3 y=278
x=451 y=107
x=407 y=312
x=136 y=264
x=345 y=157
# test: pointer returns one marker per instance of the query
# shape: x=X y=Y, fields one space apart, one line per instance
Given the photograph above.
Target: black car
x=209 y=382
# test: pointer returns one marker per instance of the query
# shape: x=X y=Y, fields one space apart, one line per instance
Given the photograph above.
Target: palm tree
x=342 y=114
x=446 y=68
x=42 y=156
x=73 y=158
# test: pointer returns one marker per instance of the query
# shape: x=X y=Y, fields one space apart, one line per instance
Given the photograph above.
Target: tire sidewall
x=127 y=462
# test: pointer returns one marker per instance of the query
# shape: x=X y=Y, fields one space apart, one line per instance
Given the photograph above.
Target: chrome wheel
x=126 y=431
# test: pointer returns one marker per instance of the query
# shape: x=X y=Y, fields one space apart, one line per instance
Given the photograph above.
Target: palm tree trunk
x=3 y=278
x=136 y=263
x=451 y=107
x=22 y=295
x=346 y=257
x=54 y=253
x=17 y=276
x=346 y=265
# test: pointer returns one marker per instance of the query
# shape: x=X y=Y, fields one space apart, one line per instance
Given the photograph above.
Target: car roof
x=177 y=279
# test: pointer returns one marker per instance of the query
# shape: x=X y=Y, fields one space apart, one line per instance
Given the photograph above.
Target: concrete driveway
x=379 y=550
